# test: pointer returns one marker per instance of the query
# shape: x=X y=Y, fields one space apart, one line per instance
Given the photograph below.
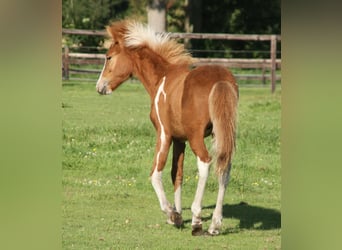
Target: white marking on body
x=196 y=207
x=162 y=132
x=157 y=175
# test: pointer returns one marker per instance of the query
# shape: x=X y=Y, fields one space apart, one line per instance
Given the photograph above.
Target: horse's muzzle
x=102 y=88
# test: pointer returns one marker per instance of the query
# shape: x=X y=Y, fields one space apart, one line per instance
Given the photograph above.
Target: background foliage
x=201 y=16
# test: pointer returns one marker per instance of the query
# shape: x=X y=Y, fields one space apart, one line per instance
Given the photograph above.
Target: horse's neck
x=150 y=69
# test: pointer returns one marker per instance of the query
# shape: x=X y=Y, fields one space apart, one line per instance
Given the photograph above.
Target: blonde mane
x=135 y=35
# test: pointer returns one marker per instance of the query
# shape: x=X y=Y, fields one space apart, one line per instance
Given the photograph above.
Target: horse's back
x=208 y=75
x=200 y=81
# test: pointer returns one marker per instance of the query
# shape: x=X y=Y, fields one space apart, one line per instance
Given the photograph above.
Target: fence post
x=263 y=75
x=66 y=63
x=273 y=62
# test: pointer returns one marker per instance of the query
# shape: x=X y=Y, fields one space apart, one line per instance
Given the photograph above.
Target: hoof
x=197 y=230
x=175 y=219
x=213 y=232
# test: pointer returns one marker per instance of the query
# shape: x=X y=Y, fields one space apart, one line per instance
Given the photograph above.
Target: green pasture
x=108 y=201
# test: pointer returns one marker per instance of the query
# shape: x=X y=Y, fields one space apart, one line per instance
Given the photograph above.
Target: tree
x=194 y=15
x=89 y=14
x=156 y=15
x=237 y=17
x=200 y=16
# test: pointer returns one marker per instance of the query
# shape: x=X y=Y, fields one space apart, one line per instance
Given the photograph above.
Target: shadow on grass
x=250 y=217
x=73 y=84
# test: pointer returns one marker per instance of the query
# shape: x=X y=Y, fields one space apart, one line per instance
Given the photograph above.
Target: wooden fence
x=271 y=64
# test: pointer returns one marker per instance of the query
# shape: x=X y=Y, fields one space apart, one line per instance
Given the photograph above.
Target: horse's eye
x=109 y=57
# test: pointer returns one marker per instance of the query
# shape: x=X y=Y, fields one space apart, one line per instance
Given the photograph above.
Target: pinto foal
x=186 y=105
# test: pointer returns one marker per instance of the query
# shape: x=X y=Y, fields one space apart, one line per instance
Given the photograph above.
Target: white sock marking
x=178 y=199
x=158 y=187
x=203 y=168
x=203 y=172
x=217 y=215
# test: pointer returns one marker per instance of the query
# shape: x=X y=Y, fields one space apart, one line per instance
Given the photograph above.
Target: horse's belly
x=177 y=129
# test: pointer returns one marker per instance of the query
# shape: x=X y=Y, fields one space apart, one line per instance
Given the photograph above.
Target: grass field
x=109 y=202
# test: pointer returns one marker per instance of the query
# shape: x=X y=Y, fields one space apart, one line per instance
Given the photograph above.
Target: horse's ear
x=109 y=31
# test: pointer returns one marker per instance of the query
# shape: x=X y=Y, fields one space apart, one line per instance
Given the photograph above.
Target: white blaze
x=98 y=81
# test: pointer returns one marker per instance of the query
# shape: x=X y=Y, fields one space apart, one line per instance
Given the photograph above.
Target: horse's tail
x=223 y=101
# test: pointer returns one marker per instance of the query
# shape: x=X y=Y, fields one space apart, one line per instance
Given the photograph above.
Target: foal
x=186 y=105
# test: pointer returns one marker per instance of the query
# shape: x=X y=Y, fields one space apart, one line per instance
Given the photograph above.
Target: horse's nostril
x=104 y=89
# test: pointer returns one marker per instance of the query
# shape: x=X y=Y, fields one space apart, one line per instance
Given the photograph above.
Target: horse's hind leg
x=203 y=162
x=177 y=179
x=223 y=180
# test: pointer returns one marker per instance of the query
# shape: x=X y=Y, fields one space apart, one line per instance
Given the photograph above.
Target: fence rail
x=221 y=36
x=271 y=64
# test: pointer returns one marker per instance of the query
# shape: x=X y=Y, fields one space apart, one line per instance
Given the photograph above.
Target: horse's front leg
x=177 y=179
x=160 y=157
